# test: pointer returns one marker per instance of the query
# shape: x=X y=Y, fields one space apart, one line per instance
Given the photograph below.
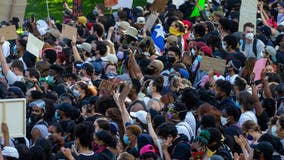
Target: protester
x=180 y=82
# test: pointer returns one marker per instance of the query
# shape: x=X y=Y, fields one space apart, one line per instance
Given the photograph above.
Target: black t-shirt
x=180 y=149
x=90 y=156
x=280 y=56
x=105 y=155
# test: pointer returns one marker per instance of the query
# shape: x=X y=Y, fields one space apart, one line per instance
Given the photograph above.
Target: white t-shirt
x=184 y=128
x=190 y=119
x=248 y=115
x=12 y=77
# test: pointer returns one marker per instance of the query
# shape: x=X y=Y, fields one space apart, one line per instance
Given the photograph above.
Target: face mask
x=57 y=116
x=35 y=117
x=126 y=140
x=274 y=131
x=50 y=79
x=15 y=50
x=76 y=93
x=171 y=60
x=29 y=84
x=237 y=104
x=111 y=75
x=133 y=121
x=199 y=58
x=174 y=31
x=224 y=121
x=249 y=36
x=149 y=91
x=150 y=71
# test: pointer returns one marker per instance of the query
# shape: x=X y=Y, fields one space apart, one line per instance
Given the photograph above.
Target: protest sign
x=217 y=64
x=107 y=85
x=258 y=67
x=110 y=3
x=248 y=13
x=123 y=4
x=150 y=22
x=13 y=112
x=68 y=31
x=13 y=8
x=195 y=12
x=34 y=45
x=9 y=32
x=159 y=5
x=178 y=2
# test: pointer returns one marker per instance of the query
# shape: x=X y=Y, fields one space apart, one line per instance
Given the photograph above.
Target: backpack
x=253 y=46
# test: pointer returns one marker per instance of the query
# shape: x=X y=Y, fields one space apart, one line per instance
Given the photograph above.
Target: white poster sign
x=123 y=4
x=34 y=45
x=13 y=112
x=248 y=13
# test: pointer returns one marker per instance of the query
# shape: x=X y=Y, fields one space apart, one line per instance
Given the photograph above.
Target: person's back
x=180 y=148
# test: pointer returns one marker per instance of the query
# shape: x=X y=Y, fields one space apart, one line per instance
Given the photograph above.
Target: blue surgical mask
x=126 y=140
x=149 y=91
x=199 y=58
x=111 y=75
x=15 y=50
x=50 y=79
x=274 y=130
x=76 y=93
x=237 y=104
x=57 y=116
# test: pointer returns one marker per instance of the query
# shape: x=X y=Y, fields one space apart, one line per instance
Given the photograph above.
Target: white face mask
x=249 y=36
x=224 y=121
x=274 y=130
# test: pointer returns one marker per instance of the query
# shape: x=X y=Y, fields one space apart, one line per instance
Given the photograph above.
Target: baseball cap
x=146 y=149
x=55 y=33
x=85 y=46
x=207 y=51
x=110 y=58
x=87 y=66
x=140 y=20
x=67 y=108
x=184 y=73
x=264 y=147
x=82 y=20
x=141 y=115
x=123 y=24
x=157 y=64
x=270 y=50
x=39 y=103
x=10 y=152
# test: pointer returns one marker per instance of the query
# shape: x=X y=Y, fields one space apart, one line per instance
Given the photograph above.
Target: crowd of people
x=125 y=90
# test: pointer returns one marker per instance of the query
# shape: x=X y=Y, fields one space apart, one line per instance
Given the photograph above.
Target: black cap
x=87 y=66
x=67 y=108
x=264 y=147
x=280 y=88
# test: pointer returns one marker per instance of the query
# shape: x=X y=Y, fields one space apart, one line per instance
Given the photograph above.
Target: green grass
x=38 y=8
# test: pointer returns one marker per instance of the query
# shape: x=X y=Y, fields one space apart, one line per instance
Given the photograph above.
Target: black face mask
x=150 y=71
x=171 y=60
x=34 y=118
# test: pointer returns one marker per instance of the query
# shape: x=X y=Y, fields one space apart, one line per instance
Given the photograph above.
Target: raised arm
x=76 y=54
x=5 y=67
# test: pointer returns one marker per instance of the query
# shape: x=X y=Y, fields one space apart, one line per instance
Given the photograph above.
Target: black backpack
x=253 y=46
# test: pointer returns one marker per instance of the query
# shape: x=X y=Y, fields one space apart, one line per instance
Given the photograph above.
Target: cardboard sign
x=34 y=45
x=258 y=67
x=107 y=85
x=9 y=32
x=68 y=31
x=13 y=112
x=159 y=5
x=110 y=3
x=150 y=21
x=248 y=13
x=218 y=65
